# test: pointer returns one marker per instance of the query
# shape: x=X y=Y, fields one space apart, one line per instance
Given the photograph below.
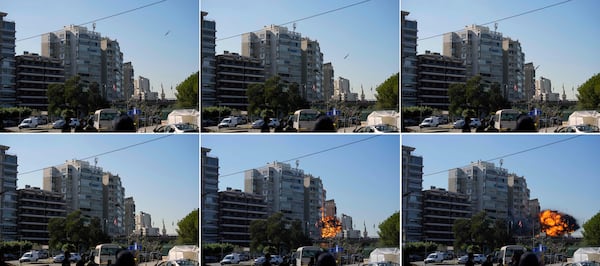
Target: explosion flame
x=330 y=226
x=555 y=223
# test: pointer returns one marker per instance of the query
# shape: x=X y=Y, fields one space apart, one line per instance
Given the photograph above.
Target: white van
x=30 y=122
x=31 y=256
x=231 y=121
x=232 y=258
x=435 y=257
x=432 y=121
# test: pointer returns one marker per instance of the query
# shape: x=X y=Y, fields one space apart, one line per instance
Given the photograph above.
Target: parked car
x=577 y=129
x=176 y=128
x=478 y=258
x=461 y=122
x=31 y=122
x=275 y=259
x=274 y=122
x=75 y=257
x=74 y=122
x=58 y=258
x=58 y=124
x=376 y=129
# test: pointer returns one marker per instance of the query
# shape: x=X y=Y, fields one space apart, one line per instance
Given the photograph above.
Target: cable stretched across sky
x=512 y=154
x=301 y=19
x=100 y=19
x=310 y=154
x=502 y=19
x=105 y=153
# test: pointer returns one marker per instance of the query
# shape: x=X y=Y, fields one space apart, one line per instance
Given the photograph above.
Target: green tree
x=389 y=231
x=589 y=94
x=591 y=231
x=187 y=92
x=77 y=230
x=276 y=95
x=462 y=232
x=187 y=231
x=276 y=233
x=387 y=93
x=476 y=96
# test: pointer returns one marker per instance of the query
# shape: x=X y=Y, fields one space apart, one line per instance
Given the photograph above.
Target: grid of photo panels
x=300 y=136
x=93 y=96
x=499 y=131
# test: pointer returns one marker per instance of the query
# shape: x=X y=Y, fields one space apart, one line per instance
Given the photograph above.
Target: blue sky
x=368 y=33
x=168 y=59
x=363 y=178
x=562 y=40
x=162 y=175
x=561 y=175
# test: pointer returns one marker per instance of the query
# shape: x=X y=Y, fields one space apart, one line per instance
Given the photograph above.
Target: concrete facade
x=440 y=209
x=328 y=76
x=209 y=196
x=208 y=78
x=513 y=75
x=435 y=75
x=36 y=208
x=235 y=73
x=311 y=87
x=129 y=217
x=408 y=61
x=114 y=205
x=8 y=97
x=8 y=201
x=112 y=70
x=412 y=196
x=34 y=74
x=237 y=210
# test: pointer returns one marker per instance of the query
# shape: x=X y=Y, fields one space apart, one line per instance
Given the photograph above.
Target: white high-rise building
x=485 y=184
x=142 y=90
x=280 y=52
x=513 y=68
x=341 y=90
x=312 y=70
x=112 y=70
x=480 y=49
x=80 y=183
x=143 y=225
x=80 y=51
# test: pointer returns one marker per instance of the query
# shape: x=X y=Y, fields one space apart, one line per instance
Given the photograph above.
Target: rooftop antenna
x=294 y=26
x=501 y=162
x=297 y=163
x=496 y=27
x=94 y=26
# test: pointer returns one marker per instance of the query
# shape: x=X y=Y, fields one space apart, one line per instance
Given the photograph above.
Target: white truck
x=31 y=256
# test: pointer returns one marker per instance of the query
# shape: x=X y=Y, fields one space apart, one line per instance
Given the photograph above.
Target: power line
x=301 y=19
x=105 y=153
x=100 y=19
x=512 y=154
x=311 y=154
x=505 y=18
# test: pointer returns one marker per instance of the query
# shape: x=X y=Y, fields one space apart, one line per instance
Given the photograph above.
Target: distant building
x=529 y=81
x=328 y=76
x=237 y=210
x=128 y=80
x=34 y=75
x=330 y=208
x=341 y=91
x=209 y=187
x=234 y=74
x=143 y=225
x=435 y=74
x=208 y=78
x=543 y=91
x=408 y=61
x=129 y=217
x=8 y=95
x=279 y=49
x=412 y=196
x=485 y=184
x=441 y=209
x=142 y=92
x=8 y=201
x=518 y=207
x=36 y=208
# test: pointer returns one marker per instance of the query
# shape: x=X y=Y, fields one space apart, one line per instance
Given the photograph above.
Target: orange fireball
x=557 y=224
